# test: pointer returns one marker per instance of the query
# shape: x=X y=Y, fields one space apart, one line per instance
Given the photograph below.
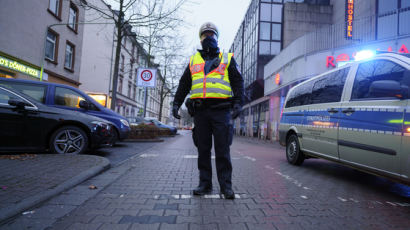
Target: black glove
x=175 y=109
x=236 y=110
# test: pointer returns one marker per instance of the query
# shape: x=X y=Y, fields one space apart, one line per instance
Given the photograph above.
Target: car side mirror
x=19 y=104
x=388 y=88
x=84 y=104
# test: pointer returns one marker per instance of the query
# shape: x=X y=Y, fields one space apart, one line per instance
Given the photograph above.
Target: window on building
x=51 y=46
x=54 y=7
x=274 y=48
x=120 y=80
x=329 y=87
x=265 y=12
x=264 y=31
x=276 y=13
x=129 y=89
x=392 y=18
x=73 y=17
x=134 y=92
x=276 y=32
x=69 y=56
x=264 y=48
x=376 y=70
x=122 y=63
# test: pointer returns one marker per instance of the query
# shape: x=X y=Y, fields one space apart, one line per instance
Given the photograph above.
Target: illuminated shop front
x=14 y=68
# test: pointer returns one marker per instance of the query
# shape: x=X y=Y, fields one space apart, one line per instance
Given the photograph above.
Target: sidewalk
x=27 y=180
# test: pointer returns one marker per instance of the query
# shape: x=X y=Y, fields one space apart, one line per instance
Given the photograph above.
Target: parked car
x=27 y=125
x=162 y=125
x=355 y=115
x=138 y=120
x=67 y=97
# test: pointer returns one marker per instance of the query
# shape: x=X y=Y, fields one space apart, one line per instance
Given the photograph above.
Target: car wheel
x=69 y=140
x=293 y=153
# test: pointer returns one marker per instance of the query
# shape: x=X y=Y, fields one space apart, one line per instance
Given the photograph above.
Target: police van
x=357 y=114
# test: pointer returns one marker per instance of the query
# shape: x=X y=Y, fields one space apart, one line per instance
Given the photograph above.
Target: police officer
x=216 y=86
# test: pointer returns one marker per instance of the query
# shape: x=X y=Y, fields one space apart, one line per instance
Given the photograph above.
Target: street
x=150 y=188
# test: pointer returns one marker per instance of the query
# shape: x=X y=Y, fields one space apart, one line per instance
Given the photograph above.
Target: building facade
x=268 y=27
x=98 y=67
x=356 y=25
x=41 y=33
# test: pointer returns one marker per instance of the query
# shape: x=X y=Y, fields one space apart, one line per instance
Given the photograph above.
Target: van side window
x=329 y=87
x=37 y=92
x=300 y=95
x=376 y=70
x=70 y=98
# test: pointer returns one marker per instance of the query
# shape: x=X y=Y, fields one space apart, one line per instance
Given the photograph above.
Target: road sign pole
x=145 y=101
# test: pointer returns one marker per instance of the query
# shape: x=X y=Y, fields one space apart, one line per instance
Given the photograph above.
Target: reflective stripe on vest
x=216 y=83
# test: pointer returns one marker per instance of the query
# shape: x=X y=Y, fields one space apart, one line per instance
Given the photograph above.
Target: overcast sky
x=227 y=15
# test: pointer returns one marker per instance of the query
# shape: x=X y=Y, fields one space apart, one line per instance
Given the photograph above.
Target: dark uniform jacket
x=211 y=63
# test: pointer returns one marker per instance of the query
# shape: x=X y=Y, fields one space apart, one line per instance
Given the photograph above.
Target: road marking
x=304 y=197
x=344 y=200
x=250 y=158
x=306 y=188
x=393 y=204
x=269 y=167
x=148 y=155
x=356 y=201
x=297 y=183
x=212 y=196
x=194 y=157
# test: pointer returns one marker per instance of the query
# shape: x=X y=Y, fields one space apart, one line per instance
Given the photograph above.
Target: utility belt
x=194 y=105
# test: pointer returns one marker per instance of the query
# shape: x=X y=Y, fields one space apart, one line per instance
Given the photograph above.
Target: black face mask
x=209 y=43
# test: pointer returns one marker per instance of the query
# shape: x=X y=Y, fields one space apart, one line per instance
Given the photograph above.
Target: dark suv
x=27 y=125
x=67 y=97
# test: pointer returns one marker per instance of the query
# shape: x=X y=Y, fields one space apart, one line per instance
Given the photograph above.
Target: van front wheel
x=293 y=153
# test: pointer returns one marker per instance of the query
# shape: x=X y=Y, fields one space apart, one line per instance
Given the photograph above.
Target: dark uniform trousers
x=214 y=123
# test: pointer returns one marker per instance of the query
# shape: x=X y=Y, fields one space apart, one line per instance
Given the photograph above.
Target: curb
x=35 y=200
x=143 y=140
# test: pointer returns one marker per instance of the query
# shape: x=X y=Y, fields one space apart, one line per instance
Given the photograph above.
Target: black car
x=26 y=125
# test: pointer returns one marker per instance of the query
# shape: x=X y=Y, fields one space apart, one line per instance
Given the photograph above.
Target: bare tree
x=138 y=14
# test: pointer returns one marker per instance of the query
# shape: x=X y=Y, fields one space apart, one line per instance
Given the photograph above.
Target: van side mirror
x=19 y=104
x=84 y=104
x=388 y=88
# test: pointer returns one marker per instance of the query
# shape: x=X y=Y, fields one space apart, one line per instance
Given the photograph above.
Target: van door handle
x=332 y=110
x=348 y=110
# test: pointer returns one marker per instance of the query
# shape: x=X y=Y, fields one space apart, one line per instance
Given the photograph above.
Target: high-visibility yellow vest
x=216 y=83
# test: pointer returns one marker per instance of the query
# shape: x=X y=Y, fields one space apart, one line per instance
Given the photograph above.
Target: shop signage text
x=14 y=65
x=331 y=61
x=349 y=18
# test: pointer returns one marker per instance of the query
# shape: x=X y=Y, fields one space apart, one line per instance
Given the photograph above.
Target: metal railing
x=333 y=36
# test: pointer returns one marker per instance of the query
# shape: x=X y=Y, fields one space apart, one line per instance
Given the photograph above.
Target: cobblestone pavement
x=153 y=191
x=24 y=176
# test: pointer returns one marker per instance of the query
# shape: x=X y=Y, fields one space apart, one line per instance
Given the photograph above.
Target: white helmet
x=208 y=26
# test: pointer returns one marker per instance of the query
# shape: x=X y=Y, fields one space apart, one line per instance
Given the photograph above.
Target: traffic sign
x=146 y=77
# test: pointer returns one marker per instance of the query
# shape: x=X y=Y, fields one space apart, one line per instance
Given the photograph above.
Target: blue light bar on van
x=364 y=54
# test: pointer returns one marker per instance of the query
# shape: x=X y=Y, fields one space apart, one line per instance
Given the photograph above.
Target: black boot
x=228 y=193
x=202 y=190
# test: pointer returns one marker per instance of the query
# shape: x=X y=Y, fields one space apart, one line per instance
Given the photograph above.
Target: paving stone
x=174 y=227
